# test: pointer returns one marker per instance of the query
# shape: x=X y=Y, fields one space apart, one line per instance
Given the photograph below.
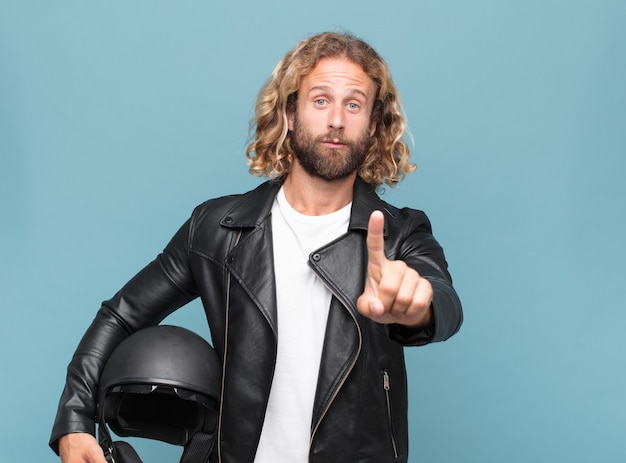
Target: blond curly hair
x=269 y=152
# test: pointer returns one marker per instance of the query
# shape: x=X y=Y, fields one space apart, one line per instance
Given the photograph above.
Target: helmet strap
x=104 y=437
x=124 y=453
x=198 y=448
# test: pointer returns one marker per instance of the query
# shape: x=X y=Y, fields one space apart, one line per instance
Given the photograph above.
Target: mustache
x=334 y=136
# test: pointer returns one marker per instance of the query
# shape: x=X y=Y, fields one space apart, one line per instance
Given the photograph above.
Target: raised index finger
x=376 y=245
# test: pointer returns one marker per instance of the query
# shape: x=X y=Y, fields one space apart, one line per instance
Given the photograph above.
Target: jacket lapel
x=340 y=265
x=251 y=261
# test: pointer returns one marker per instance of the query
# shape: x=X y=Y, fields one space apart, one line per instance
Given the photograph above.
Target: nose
x=336 y=119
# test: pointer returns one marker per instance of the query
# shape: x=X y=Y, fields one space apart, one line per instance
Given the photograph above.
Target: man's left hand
x=394 y=292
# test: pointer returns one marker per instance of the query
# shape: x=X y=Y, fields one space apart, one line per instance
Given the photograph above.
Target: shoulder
x=408 y=232
x=399 y=221
x=405 y=220
x=245 y=209
x=216 y=218
x=214 y=207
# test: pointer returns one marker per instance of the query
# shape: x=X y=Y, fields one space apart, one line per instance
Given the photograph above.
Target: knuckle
x=404 y=299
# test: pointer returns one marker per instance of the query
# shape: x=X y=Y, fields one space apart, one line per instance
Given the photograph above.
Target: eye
x=353 y=106
x=320 y=102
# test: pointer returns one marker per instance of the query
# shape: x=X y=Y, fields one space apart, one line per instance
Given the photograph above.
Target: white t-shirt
x=303 y=302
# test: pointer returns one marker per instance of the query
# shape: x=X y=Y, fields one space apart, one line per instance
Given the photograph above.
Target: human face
x=332 y=125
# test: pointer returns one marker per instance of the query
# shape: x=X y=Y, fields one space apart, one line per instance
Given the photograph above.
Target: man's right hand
x=80 y=448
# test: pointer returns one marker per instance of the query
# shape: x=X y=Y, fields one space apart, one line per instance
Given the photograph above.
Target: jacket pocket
x=386 y=389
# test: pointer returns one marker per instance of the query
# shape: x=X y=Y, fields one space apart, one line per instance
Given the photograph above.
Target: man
x=312 y=285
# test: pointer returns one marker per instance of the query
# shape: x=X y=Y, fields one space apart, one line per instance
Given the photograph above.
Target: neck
x=315 y=196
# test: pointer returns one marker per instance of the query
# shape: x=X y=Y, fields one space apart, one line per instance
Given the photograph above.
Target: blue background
x=117 y=118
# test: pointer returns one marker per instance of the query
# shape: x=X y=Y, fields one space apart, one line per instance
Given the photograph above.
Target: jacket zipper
x=386 y=387
x=227 y=315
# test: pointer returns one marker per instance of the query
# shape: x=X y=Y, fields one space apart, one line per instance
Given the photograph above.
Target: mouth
x=333 y=143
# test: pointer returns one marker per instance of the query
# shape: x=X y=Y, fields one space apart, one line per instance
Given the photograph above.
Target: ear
x=377 y=111
x=290 y=118
x=372 y=128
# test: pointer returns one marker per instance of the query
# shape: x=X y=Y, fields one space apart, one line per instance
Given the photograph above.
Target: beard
x=326 y=163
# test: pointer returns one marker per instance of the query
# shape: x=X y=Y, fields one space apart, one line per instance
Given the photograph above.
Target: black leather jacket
x=223 y=254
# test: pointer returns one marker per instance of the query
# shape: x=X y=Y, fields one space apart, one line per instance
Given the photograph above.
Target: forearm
x=77 y=406
x=145 y=300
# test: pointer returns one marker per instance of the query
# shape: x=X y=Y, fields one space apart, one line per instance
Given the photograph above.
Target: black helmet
x=163 y=383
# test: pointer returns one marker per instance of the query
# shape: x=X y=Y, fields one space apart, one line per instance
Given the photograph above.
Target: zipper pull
x=385 y=380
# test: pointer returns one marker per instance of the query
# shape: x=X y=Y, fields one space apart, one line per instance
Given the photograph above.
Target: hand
x=80 y=448
x=394 y=292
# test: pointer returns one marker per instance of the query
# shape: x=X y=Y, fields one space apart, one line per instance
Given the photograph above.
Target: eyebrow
x=327 y=89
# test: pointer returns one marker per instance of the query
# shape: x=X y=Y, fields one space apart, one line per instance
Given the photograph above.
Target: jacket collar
x=364 y=202
x=252 y=208
x=256 y=205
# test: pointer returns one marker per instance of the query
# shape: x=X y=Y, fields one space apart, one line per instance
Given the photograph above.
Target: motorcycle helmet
x=163 y=383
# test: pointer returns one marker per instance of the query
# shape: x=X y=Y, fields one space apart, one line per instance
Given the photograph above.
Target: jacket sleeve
x=421 y=251
x=160 y=288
